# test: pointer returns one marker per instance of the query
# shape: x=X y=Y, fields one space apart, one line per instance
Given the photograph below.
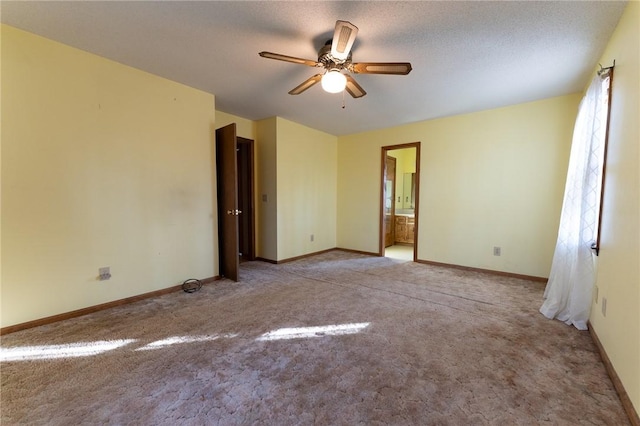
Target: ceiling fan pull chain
x=343 y=99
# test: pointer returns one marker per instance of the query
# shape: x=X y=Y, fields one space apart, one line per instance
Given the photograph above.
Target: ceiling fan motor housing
x=334 y=57
x=328 y=61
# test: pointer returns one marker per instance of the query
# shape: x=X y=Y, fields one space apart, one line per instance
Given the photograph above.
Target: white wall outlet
x=312 y=237
x=497 y=251
x=604 y=306
x=104 y=273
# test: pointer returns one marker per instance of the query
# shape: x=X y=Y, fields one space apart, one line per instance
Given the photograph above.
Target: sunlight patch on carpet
x=174 y=340
x=306 y=332
x=70 y=350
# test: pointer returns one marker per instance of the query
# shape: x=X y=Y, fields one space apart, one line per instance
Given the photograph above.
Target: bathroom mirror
x=408 y=190
x=388 y=196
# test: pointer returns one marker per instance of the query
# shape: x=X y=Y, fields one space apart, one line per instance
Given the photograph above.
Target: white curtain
x=572 y=277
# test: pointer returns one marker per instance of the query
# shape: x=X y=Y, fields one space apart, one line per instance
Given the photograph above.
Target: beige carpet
x=412 y=345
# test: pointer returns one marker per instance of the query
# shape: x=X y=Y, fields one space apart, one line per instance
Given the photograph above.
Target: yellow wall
x=297 y=189
x=267 y=189
x=245 y=128
x=102 y=165
x=491 y=178
x=295 y=186
x=307 y=186
x=618 y=264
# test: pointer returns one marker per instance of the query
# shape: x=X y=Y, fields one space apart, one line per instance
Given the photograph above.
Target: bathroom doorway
x=400 y=181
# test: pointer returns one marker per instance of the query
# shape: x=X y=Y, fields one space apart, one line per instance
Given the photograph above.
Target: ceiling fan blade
x=343 y=38
x=397 y=68
x=306 y=84
x=293 y=59
x=354 y=88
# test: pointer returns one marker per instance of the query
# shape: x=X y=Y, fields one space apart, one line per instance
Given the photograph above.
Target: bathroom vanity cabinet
x=405 y=229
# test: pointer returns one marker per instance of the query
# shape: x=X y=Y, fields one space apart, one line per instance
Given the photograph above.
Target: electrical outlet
x=497 y=251
x=104 y=273
x=604 y=306
x=312 y=237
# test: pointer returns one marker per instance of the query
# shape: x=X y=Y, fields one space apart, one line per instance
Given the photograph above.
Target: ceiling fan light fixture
x=334 y=57
x=333 y=81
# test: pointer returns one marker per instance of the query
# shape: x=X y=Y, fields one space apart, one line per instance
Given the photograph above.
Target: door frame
x=246 y=197
x=384 y=153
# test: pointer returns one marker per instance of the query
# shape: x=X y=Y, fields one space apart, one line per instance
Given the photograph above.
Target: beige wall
x=307 y=186
x=245 y=128
x=492 y=178
x=102 y=165
x=297 y=189
x=267 y=189
x=619 y=262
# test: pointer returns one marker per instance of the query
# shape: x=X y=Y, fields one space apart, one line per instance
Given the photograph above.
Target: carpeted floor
x=411 y=344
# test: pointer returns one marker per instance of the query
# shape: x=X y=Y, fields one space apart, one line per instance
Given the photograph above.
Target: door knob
x=235 y=212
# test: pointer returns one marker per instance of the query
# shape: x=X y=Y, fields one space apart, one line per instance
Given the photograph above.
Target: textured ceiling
x=466 y=56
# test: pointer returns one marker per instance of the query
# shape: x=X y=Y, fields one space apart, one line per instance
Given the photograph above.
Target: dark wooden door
x=227 y=176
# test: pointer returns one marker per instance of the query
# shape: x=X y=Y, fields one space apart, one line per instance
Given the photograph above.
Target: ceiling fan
x=335 y=57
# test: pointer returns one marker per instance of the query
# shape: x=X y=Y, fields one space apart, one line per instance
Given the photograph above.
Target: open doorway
x=400 y=178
